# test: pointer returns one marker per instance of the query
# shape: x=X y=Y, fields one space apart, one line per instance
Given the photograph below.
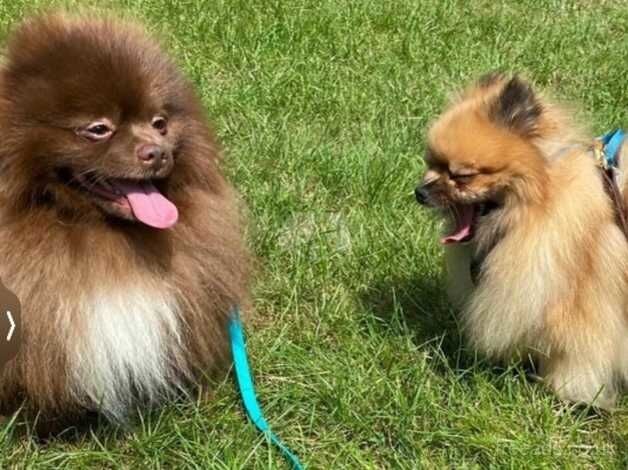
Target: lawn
x=322 y=107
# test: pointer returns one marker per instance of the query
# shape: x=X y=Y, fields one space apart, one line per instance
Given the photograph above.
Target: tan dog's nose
x=421 y=195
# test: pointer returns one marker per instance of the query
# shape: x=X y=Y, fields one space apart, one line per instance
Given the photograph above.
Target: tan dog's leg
x=580 y=378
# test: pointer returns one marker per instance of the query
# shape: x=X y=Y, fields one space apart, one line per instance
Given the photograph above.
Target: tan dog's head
x=481 y=153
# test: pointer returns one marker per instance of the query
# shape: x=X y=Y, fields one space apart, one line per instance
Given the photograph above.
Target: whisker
x=77 y=175
x=94 y=178
x=453 y=209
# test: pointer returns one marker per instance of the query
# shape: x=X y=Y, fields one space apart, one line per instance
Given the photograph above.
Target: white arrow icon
x=12 y=329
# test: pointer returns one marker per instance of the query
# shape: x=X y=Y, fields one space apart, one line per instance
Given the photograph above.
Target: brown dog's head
x=481 y=153
x=96 y=121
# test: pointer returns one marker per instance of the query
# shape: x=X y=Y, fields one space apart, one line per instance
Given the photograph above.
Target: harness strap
x=606 y=151
x=611 y=142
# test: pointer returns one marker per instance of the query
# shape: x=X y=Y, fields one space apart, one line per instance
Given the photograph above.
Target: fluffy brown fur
x=534 y=255
x=115 y=313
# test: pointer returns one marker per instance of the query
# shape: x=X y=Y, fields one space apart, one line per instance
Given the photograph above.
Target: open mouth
x=138 y=200
x=465 y=218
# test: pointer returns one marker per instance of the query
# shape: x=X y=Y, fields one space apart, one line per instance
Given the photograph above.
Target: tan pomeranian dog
x=118 y=232
x=535 y=255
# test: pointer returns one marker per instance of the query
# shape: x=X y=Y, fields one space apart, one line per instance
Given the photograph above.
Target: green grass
x=322 y=106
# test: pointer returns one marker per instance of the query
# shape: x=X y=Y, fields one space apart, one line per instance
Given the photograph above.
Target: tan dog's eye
x=462 y=179
x=464 y=175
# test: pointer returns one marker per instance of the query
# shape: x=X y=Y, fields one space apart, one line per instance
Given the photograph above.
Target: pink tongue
x=148 y=204
x=462 y=231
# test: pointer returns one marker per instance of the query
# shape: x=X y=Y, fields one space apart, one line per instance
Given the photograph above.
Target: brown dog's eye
x=96 y=131
x=99 y=129
x=160 y=123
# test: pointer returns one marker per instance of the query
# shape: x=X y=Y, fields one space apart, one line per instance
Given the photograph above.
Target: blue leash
x=247 y=389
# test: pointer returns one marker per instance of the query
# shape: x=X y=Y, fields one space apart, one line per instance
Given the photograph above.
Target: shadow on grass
x=621 y=444
x=47 y=433
x=417 y=304
x=145 y=419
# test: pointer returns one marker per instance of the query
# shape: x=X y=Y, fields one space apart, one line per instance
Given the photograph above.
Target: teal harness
x=247 y=389
x=611 y=142
x=607 y=154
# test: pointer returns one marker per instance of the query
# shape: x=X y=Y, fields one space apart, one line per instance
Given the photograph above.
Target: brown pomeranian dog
x=118 y=232
x=535 y=255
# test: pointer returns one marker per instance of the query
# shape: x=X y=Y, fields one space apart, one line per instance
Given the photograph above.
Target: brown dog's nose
x=151 y=154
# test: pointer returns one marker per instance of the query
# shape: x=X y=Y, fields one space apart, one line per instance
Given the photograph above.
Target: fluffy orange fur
x=550 y=261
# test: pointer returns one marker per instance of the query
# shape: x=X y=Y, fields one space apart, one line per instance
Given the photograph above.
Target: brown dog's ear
x=517 y=107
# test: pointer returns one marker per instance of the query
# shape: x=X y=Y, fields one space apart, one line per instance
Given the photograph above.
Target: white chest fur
x=126 y=348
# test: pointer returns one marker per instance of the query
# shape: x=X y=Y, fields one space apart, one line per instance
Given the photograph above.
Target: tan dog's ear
x=485 y=87
x=490 y=79
x=517 y=108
